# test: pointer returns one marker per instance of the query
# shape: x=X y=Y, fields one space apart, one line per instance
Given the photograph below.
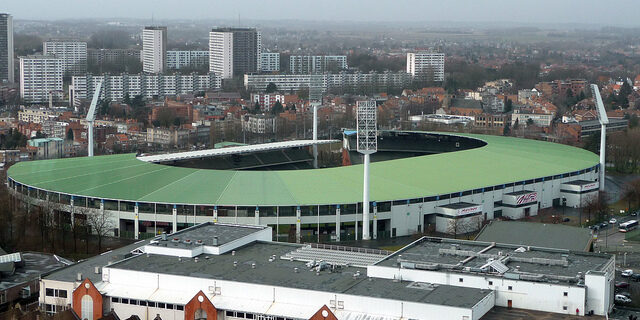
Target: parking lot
x=632 y=290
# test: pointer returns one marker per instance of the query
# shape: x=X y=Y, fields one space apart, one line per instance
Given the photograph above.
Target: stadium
x=419 y=181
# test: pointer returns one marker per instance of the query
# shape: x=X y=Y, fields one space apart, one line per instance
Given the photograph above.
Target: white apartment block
x=429 y=64
x=259 y=124
x=270 y=62
x=154 y=49
x=55 y=129
x=33 y=115
x=72 y=53
x=6 y=48
x=538 y=118
x=179 y=59
x=41 y=76
x=117 y=87
x=317 y=64
x=234 y=51
x=293 y=82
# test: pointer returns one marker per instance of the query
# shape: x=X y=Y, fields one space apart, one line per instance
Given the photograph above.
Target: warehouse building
x=222 y=271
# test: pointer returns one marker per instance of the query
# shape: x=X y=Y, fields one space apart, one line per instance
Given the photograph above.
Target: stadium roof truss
x=233 y=150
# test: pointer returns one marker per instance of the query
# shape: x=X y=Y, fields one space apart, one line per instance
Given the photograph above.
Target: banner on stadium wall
x=468 y=210
x=527 y=198
x=590 y=186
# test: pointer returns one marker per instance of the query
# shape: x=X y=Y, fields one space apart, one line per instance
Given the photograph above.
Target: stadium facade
x=450 y=183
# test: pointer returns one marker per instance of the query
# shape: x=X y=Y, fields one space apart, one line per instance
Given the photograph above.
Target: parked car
x=627 y=273
x=635 y=277
x=622 y=284
x=622 y=299
x=613 y=221
x=594 y=227
x=624 y=293
x=566 y=220
x=603 y=225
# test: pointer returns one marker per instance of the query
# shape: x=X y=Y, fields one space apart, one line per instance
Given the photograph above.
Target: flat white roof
x=233 y=150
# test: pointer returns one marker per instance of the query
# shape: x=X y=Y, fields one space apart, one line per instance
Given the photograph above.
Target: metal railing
x=349 y=249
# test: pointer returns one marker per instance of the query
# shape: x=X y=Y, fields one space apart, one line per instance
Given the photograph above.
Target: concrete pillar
x=315 y=136
x=256 y=220
x=215 y=214
x=102 y=206
x=298 y=224
x=174 y=219
x=365 y=201
x=375 y=220
x=72 y=212
x=603 y=148
x=136 y=227
x=338 y=222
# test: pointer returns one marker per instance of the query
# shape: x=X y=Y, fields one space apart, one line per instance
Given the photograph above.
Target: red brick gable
x=86 y=287
x=200 y=301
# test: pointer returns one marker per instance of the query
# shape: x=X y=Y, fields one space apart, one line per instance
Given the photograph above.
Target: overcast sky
x=602 y=12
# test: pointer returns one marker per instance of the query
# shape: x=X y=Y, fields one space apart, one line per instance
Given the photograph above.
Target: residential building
x=270 y=61
x=9 y=156
x=538 y=117
x=181 y=59
x=54 y=129
x=267 y=100
x=259 y=123
x=48 y=148
x=317 y=64
x=36 y=115
x=343 y=80
x=168 y=137
x=488 y=120
x=112 y=56
x=6 y=48
x=41 y=77
x=527 y=94
x=72 y=53
x=154 y=49
x=561 y=87
x=149 y=86
x=426 y=65
x=493 y=103
x=234 y=51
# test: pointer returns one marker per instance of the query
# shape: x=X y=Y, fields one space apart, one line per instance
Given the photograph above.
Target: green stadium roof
x=123 y=177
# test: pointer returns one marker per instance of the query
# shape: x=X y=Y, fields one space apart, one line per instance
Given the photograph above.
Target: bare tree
x=596 y=205
x=631 y=193
x=101 y=224
x=465 y=226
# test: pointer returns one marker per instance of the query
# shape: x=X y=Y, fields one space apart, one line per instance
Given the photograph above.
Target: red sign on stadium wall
x=527 y=198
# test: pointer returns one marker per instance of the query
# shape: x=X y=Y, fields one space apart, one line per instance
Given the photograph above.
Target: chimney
x=215 y=241
x=96 y=270
x=233 y=252
x=79 y=276
x=253 y=265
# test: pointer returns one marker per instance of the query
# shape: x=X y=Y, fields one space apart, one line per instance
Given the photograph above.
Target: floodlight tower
x=91 y=117
x=604 y=121
x=367 y=136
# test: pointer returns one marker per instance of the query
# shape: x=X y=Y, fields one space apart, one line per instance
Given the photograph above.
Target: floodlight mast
x=91 y=117
x=604 y=120
x=367 y=136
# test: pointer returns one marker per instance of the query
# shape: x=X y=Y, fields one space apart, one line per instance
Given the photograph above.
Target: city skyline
x=495 y=11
